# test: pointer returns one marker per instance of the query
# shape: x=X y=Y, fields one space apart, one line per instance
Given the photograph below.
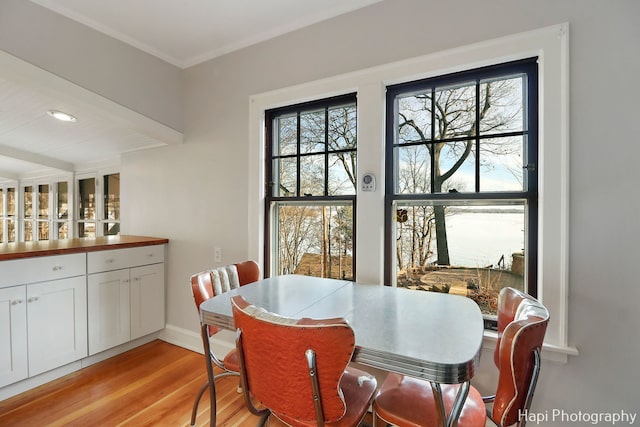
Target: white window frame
x=551 y=46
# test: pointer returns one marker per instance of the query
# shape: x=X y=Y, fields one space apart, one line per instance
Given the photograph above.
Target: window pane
x=483 y=244
x=502 y=105
x=11 y=230
x=457 y=164
x=501 y=164
x=284 y=171
x=1 y=204
x=342 y=127
x=11 y=202
x=312 y=175
x=315 y=240
x=112 y=196
x=63 y=230
x=111 y=229
x=43 y=201
x=87 y=195
x=28 y=202
x=342 y=175
x=286 y=135
x=414 y=118
x=28 y=231
x=43 y=230
x=312 y=132
x=63 y=200
x=455 y=111
x=86 y=229
x=413 y=170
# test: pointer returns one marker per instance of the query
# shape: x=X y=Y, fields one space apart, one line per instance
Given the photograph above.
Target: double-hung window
x=311 y=188
x=461 y=188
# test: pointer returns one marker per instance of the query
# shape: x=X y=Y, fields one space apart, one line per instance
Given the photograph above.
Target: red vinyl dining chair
x=297 y=369
x=522 y=324
x=207 y=284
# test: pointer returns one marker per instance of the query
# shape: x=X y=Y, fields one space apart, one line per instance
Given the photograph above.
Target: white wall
x=196 y=194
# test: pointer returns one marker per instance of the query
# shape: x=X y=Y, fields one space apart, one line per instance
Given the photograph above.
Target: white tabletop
x=428 y=335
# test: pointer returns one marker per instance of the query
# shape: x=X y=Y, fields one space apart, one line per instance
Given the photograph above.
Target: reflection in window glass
x=63 y=200
x=28 y=202
x=43 y=201
x=11 y=202
x=28 y=231
x=112 y=196
x=86 y=198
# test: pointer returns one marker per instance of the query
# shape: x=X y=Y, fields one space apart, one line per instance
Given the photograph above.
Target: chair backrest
x=209 y=283
x=522 y=324
x=273 y=353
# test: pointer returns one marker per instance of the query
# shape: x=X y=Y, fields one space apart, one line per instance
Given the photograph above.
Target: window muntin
x=311 y=187
x=461 y=153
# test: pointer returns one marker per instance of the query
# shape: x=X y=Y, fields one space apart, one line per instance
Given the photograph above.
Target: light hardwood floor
x=152 y=385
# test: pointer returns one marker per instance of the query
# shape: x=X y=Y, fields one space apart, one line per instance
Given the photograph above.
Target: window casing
x=551 y=45
x=310 y=188
x=461 y=189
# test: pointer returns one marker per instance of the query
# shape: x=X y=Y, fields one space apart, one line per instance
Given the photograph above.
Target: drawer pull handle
x=32 y=299
x=150 y=255
x=110 y=261
x=57 y=267
x=16 y=302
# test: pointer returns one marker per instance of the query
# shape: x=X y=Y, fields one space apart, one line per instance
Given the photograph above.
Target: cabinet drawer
x=40 y=269
x=117 y=259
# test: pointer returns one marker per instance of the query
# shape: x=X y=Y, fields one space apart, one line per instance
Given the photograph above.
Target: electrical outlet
x=217 y=255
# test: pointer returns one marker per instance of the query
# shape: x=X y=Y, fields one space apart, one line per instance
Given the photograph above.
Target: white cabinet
x=147 y=300
x=56 y=323
x=43 y=315
x=126 y=295
x=108 y=301
x=13 y=335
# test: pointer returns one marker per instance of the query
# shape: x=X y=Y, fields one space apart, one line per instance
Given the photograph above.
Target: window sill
x=550 y=352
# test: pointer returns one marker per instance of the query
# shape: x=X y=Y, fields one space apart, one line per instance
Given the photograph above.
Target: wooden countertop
x=19 y=250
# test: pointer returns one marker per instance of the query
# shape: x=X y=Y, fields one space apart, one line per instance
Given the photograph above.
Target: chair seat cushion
x=409 y=402
x=358 y=388
x=232 y=361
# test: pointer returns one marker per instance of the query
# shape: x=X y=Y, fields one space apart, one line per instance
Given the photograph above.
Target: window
x=310 y=188
x=551 y=46
x=44 y=211
x=98 y=202
x=8 y=205
x=461 y=189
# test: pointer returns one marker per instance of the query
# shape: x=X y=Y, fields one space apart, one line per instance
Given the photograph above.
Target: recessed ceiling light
x=61 y=115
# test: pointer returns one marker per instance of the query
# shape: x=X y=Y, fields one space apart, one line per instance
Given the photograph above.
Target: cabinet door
x=108 y=308
x=56 y=323
x=147 y=299
x=13 y=335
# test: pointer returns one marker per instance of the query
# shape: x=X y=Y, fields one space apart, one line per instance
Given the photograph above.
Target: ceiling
x=181 y=32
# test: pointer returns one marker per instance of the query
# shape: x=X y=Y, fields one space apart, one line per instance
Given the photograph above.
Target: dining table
x=428 y=335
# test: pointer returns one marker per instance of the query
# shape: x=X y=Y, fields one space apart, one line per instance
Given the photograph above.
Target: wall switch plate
x=217 y=254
